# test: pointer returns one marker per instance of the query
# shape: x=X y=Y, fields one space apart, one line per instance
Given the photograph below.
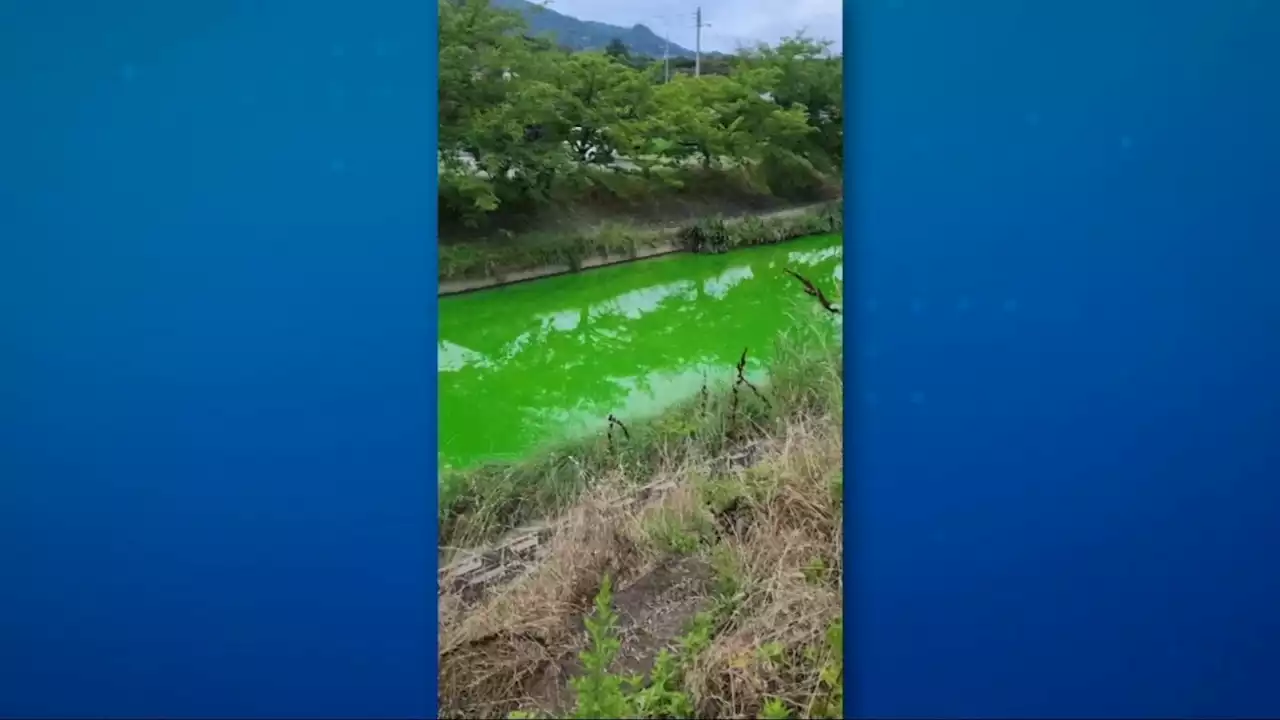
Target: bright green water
x=527 y=365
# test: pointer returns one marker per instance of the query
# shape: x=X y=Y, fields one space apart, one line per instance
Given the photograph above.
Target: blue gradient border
x=217 y=372
x=1063 y=315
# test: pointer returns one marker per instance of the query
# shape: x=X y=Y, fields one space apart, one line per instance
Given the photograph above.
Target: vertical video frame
x=640 y=359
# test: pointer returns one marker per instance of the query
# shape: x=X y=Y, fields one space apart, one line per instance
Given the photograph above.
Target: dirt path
x=454 y=287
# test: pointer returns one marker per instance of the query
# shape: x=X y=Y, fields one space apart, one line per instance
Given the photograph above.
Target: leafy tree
x=525 y=124
x=809 y=75
x=493 y=87
x=601 y=99
x=617 y=50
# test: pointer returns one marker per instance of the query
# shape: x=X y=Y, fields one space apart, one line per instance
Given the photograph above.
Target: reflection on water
x=451 y=357
x=814 y=257
x=632 y=305
x=538 y=362
x=719 y=286
x=819 y=258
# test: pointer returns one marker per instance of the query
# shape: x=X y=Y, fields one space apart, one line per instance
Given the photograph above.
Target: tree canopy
x=524 y=123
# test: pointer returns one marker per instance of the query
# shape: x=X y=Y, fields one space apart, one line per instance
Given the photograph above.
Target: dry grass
x=785 y=558
x=769 y=539
x=500 y=652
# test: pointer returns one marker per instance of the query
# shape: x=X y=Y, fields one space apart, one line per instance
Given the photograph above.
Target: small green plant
x=720 y=494
x=775 y=709
x=771 y=652
x=837 y=489
x=831 y=673
x=600 y=693
x=815 y=570
x=727 y=589
x=698 y=637
x=677 y=532
x=663 y=698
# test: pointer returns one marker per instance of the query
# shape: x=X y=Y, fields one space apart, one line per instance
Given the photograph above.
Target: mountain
x=578 y=34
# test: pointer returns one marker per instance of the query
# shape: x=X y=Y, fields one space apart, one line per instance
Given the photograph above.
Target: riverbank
x=465 y=267
x=701 y=552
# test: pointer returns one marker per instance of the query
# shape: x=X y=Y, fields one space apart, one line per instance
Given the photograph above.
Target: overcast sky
x=732 y=23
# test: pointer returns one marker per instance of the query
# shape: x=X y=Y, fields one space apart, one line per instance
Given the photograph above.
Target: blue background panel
x=218 y=403
x=1065 y=456
x=217 y=423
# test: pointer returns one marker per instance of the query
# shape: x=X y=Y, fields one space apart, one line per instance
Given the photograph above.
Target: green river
x=527 y=365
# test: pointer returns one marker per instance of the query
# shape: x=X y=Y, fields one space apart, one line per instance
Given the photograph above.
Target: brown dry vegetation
x=723 y=590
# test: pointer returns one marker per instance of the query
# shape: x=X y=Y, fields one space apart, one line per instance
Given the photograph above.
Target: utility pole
x=697 y=44
x=666 y=57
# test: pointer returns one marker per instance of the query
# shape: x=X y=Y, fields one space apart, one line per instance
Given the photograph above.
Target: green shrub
x=709 y=235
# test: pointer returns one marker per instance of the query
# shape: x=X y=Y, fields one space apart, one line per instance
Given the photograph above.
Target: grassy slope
x=702 y=558
x=496 y=258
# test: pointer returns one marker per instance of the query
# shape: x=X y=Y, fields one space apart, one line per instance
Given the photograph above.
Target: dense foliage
x=526 y=125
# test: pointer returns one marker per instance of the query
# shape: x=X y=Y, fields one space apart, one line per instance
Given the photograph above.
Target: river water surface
x=535 y=363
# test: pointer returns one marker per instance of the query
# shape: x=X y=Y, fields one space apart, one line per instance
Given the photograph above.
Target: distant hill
x=578 y=34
